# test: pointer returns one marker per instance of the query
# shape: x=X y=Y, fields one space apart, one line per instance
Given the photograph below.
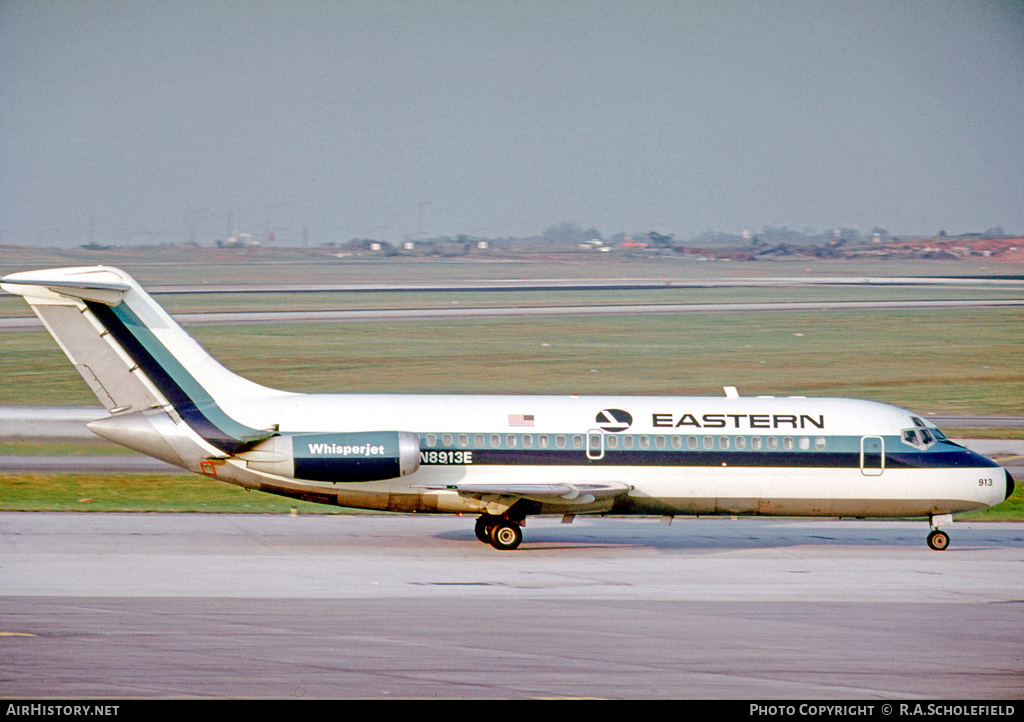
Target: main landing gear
x=500 y=532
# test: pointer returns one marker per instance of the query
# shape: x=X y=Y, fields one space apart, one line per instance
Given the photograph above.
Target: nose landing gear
x=938 y=539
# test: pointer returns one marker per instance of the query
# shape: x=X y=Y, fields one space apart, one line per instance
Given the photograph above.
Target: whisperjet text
x=739 y=421
x=346 y=450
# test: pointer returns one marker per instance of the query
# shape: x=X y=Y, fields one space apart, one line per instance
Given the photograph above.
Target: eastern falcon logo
x=614 y=420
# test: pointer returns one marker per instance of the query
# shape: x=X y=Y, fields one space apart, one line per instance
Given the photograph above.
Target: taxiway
x=388 y=606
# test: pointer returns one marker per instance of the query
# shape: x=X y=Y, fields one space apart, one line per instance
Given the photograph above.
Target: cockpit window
x=920 y=437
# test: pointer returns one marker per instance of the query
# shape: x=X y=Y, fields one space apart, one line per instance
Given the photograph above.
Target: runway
x=211 y=318
x=389 y=606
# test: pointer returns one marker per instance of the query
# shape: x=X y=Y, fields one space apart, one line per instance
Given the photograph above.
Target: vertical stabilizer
x=133 y=355
x=59 y=298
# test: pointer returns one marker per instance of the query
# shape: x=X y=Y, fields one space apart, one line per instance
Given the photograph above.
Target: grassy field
x=933 y=361
x=142 y=493
x=942 y=361
x=947 y=362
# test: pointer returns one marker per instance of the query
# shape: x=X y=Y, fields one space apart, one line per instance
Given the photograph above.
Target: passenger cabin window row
x=626 y=441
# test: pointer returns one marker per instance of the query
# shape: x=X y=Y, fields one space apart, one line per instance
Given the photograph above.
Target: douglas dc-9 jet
x=504 y=458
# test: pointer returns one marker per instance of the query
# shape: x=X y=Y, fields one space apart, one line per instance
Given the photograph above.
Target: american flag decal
x=520 y=419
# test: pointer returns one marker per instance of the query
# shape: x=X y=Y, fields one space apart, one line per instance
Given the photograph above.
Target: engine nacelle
x=357 y=456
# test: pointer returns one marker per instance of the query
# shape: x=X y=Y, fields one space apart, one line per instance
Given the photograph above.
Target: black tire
x=506 y=535
x=484 y=525
x=938 y=540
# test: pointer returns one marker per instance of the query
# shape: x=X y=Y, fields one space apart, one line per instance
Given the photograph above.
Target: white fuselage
x=679 y=455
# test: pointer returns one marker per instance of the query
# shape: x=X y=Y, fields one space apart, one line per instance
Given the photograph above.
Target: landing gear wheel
x=506 y=535
x=484 y=525
x=938 y=540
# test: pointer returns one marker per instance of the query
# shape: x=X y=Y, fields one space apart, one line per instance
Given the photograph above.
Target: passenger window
x=819 y=443
x=677 y=442
x=773 y=443
x=645 y=442
x=463 y=440
x=709 y=442
x=659 y=441
x=805 y=443
x=527 y=441
x=542 y=441
x=560 y=441
x=755 y=442
x=787 y=443
x=446 y=440
x=691 y=441
x=577 y=441
x=495 y=441
x=510 y=441
x=741 y=442
x=431 y=439
x=611 y=441
x=723 y=442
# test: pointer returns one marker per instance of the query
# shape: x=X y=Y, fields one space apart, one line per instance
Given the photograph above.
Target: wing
x=581 y=494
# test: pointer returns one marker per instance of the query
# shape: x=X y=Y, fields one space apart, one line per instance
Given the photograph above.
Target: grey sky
x=504 y=118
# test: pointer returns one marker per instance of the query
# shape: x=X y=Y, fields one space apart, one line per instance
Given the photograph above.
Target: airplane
x=504 y=458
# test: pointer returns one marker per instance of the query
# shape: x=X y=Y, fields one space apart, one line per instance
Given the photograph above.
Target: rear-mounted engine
x=363 y=456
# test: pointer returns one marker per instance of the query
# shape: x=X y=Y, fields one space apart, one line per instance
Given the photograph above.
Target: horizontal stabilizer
x=89 y=284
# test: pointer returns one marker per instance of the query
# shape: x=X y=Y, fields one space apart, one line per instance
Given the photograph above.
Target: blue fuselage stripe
x=940 y=459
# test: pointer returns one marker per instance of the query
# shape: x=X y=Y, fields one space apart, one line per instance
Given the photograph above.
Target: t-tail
x=148 y=372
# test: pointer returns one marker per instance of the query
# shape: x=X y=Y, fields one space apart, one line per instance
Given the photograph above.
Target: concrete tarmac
x=391 y=606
